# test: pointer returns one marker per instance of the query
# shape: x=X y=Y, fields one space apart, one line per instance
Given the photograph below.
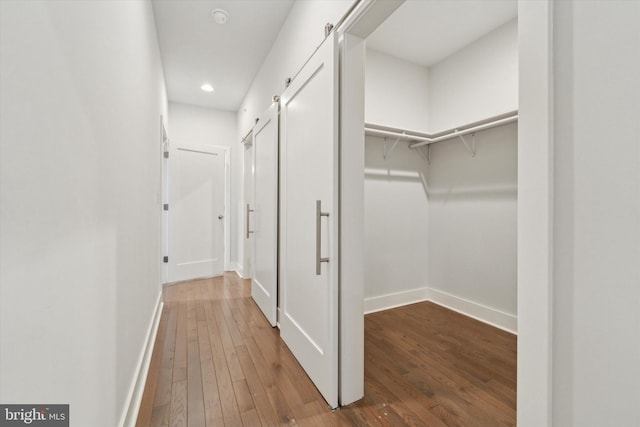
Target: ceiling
x=196 y=50
x=427 y=31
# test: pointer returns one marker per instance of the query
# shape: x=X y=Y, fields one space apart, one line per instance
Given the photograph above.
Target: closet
x=440 y=182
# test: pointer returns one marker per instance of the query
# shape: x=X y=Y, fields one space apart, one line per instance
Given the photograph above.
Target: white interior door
x=249 y=202
x=264 y=283
x=196 y=211
x=309 y=223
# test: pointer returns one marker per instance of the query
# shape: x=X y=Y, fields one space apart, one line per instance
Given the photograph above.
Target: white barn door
x=196 y=211
x=249 y=202
x=264 y=282
x=309 y=218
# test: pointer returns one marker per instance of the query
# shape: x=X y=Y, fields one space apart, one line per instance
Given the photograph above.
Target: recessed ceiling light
x=207 y=87
x=220 y=16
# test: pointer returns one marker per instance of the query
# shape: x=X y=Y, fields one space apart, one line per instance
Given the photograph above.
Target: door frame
x=535 y=204
x=164 y=198
x=358 y=25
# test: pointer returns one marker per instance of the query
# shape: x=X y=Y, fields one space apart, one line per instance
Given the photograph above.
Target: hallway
x=217 y=362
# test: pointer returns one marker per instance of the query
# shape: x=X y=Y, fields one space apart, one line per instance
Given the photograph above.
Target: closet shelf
x=420 y=139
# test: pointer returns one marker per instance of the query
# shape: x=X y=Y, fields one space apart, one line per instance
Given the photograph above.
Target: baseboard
x=134 y=397
x=239 y=269
x=398 y=299
x=488 y=315
x=493 y=317
x=242 y=274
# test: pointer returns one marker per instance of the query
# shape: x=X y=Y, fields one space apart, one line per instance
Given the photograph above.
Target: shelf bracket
x=470 y=148
x=426 y=157
x=389 y=149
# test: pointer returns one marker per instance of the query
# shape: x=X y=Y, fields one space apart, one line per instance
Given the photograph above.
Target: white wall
x=596 y=290
x=472 y=219
x=396 y=92
x=199 y=125
x=444 y=231
x=79 y=202
x=477 y=82
x=395 y=224
x=302 y=32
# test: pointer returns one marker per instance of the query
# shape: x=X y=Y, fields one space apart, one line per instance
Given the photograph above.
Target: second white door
x=196 y=211
x=247 y=270
x=264 y=283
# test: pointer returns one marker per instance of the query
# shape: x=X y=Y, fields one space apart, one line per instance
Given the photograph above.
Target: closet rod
x=467 y=131
x=394 y=134
x=424 y=139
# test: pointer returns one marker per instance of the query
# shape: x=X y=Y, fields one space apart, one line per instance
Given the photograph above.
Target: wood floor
x=217 y=362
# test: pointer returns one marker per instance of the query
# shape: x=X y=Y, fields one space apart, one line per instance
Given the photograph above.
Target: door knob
x=220 y=216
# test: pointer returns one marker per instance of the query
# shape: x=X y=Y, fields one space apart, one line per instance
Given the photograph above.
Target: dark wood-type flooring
x=217 y=362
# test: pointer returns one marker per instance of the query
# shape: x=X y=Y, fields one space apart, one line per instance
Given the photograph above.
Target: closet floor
x=217 y=362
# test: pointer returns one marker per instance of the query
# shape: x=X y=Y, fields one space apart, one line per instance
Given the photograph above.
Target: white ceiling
x=196 y=50
x=427 y=31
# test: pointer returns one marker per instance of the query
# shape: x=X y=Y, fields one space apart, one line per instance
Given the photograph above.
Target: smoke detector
x=220 y=16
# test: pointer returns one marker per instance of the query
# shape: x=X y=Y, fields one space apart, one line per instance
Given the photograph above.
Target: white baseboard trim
x=398 y=299
x=239 y=271
x=491 y=316
x=488 y=315
x=134 y=397
x=243 y=274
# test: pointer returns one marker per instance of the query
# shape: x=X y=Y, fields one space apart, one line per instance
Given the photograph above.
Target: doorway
x=534 y=200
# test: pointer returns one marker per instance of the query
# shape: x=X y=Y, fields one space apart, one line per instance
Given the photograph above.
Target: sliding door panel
x=264 y=283
x=309 y=219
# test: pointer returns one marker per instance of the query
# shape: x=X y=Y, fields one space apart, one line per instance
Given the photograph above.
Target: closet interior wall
x=445 y=230
x=395 y=223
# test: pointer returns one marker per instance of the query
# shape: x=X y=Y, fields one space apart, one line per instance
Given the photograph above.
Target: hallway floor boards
x=217 y=362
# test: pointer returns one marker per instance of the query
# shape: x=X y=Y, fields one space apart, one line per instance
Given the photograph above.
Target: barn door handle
x=319 y=215
x=249 y=210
